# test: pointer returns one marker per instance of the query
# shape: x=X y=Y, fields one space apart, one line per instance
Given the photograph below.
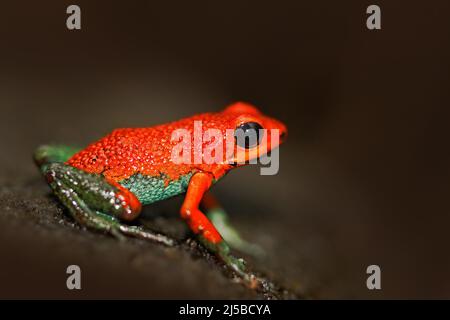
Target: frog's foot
x=222 y=250
x=237 y=265
x=120 y=230
x=140 y=233
x=219 y=218
x=90 y=196
x=208 y=234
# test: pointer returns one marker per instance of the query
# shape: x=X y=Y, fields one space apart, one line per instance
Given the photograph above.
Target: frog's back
x=127 y=152
x=140 y=159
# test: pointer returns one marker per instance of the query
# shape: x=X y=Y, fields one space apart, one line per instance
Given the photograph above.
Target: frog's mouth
x=236 y=164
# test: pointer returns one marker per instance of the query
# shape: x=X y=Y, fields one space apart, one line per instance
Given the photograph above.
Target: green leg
x=220 y=220
x=88 y=197
x=118 y=229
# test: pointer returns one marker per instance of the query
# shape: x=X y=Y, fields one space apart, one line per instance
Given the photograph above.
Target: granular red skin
x=129 y=151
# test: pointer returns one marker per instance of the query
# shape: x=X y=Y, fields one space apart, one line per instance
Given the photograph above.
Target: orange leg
x=197 y=221
x=200 y=224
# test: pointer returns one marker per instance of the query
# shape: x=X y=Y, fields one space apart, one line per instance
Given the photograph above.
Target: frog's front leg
x=200 y=224
x=97 y=203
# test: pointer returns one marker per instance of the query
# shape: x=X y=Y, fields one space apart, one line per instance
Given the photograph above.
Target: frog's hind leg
x=218 y=216
x=97 y=203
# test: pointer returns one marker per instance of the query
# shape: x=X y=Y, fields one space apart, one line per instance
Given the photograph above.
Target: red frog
x=106 y=184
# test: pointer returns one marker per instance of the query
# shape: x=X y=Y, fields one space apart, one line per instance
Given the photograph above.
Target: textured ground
x=39 y=241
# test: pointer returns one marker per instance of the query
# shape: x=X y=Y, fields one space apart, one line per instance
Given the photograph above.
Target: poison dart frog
x=105 y=185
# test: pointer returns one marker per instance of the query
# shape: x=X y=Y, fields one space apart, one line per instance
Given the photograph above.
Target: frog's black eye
x=247 y=135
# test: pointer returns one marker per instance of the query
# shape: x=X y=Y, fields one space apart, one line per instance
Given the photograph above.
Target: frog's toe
x=141 y=233
x=116 y=233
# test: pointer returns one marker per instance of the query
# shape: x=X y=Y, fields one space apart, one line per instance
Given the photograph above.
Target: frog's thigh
x=96 y=203
x=94 y=190
x=58 y=177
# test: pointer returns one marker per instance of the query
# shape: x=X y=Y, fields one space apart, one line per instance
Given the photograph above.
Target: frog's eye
x=248 y=134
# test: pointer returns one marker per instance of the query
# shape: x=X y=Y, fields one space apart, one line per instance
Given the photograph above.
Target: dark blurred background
x=364 y=174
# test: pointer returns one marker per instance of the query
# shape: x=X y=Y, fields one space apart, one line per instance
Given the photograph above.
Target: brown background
x=364 y=174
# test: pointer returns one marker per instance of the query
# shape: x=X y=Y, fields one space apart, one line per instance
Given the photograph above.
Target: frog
x=105 y=185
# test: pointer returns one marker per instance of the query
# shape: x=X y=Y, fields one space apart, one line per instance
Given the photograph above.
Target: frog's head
x=246 y=119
